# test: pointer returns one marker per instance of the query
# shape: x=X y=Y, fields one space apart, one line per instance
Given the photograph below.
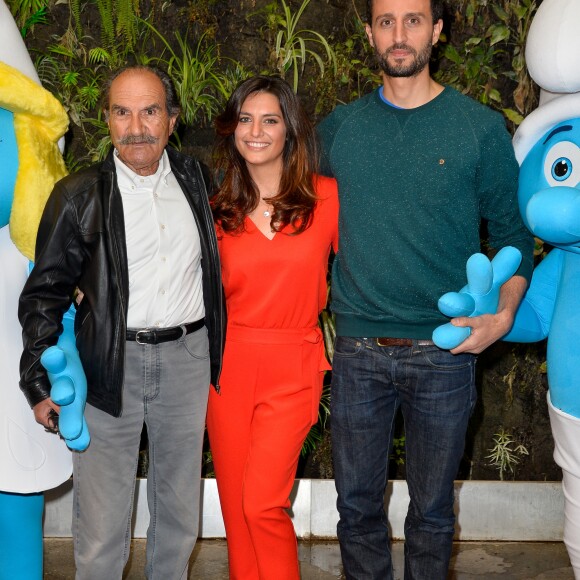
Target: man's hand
x=485 y=307
x=44 y=413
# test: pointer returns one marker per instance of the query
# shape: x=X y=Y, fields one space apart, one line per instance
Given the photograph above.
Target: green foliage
x=207 y=462
x=355 y=73
x=201 y=15
x=482 y=56
x=27 y=13
x=398 y=454
x=75 y=17
x=38 y=17
x=201 y=84
x=328 y=326
x=316 y=432
x=118 y=24
x=75 y=75
x=491 y=54
x=506 y=453
x=293 y=47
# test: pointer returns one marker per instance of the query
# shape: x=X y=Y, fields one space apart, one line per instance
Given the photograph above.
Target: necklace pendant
x=266 y=213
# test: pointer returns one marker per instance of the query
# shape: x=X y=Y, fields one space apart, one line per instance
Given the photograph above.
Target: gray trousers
x=166 y=386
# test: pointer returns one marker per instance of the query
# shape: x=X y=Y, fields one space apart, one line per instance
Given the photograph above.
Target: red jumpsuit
x=270 y=384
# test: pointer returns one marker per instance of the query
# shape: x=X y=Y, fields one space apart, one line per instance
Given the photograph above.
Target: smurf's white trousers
x=566 y=431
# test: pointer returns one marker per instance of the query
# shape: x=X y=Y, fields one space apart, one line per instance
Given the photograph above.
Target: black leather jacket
x=81 y=243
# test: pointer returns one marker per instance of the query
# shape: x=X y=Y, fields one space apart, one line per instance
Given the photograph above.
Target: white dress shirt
x=163 y=249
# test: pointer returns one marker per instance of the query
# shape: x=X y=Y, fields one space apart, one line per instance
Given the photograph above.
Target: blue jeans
x=436 y=393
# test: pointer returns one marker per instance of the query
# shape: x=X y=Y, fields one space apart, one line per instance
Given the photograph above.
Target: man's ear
x=437 y=28
x=369 y=32
x=172 y=123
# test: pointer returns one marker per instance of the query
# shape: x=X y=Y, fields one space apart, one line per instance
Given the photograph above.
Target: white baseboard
x=486 y=510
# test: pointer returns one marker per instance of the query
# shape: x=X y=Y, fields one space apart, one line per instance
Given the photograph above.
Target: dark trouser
x=436 y=393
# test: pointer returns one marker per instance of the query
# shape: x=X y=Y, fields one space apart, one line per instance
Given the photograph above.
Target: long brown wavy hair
x=238 y=195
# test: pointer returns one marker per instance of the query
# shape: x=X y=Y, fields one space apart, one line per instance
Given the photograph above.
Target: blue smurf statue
x=547 y=146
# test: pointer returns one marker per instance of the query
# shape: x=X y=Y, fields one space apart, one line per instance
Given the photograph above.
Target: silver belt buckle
x=137 y=335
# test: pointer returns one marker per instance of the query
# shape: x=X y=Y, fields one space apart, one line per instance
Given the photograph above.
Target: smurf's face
x=549 y=187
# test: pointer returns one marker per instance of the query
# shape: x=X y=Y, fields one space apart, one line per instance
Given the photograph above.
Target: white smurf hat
x=538 y=122
x=13 y=51
x=552 y=58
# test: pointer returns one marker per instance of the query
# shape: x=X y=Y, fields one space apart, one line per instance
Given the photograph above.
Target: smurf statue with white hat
x=547 y=146
x=31 y=460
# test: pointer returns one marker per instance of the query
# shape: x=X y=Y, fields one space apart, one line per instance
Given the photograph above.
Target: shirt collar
x=131 y=180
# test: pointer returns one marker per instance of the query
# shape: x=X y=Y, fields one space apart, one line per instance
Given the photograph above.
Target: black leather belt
x=156 y=336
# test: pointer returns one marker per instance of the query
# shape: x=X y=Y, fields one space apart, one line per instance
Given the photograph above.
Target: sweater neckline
x=400 y=111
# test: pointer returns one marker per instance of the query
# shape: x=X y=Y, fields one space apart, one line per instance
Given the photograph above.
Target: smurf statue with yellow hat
x=31 y=460
x=547 y=147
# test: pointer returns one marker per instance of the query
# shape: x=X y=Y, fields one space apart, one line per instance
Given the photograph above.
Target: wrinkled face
x=260 y=135
x=138 y=120
x=402 y=34
x=549 y=187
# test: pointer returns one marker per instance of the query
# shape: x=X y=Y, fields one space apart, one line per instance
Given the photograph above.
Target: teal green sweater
x=414 y=188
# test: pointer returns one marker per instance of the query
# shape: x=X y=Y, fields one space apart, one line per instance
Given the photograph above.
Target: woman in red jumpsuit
x=277 y=222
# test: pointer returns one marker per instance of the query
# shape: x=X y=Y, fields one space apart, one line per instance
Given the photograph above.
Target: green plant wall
x=320 y=46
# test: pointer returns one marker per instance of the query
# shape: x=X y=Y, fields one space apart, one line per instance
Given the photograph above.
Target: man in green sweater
x=419 y=167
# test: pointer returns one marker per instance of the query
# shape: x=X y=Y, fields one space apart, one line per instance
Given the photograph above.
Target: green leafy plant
x=491 y=55
x=75 y=75
x=207 y=468
x=200 y=83
x=355 y=73
x=291 y=46
x=119 y=24
x=27 y=13
x=398 y=454
x=39 y=17
x=506 y=453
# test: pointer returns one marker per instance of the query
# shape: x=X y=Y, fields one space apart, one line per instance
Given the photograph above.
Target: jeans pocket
x=443 y=359
x=346 y=346
x=197 y=344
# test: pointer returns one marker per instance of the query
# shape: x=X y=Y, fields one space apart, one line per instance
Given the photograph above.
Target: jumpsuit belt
x=314 y=361
x=310 y=338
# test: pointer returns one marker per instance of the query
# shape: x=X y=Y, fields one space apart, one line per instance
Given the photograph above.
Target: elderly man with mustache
x=134 y=237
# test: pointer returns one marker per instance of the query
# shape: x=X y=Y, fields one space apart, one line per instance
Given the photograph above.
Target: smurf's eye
x=562 y=164
x=561 y=169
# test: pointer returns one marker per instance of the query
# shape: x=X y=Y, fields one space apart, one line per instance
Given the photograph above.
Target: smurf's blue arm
x=534 y=316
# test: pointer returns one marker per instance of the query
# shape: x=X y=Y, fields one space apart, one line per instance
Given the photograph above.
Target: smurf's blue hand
x=479 y=296
x=69 y=386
